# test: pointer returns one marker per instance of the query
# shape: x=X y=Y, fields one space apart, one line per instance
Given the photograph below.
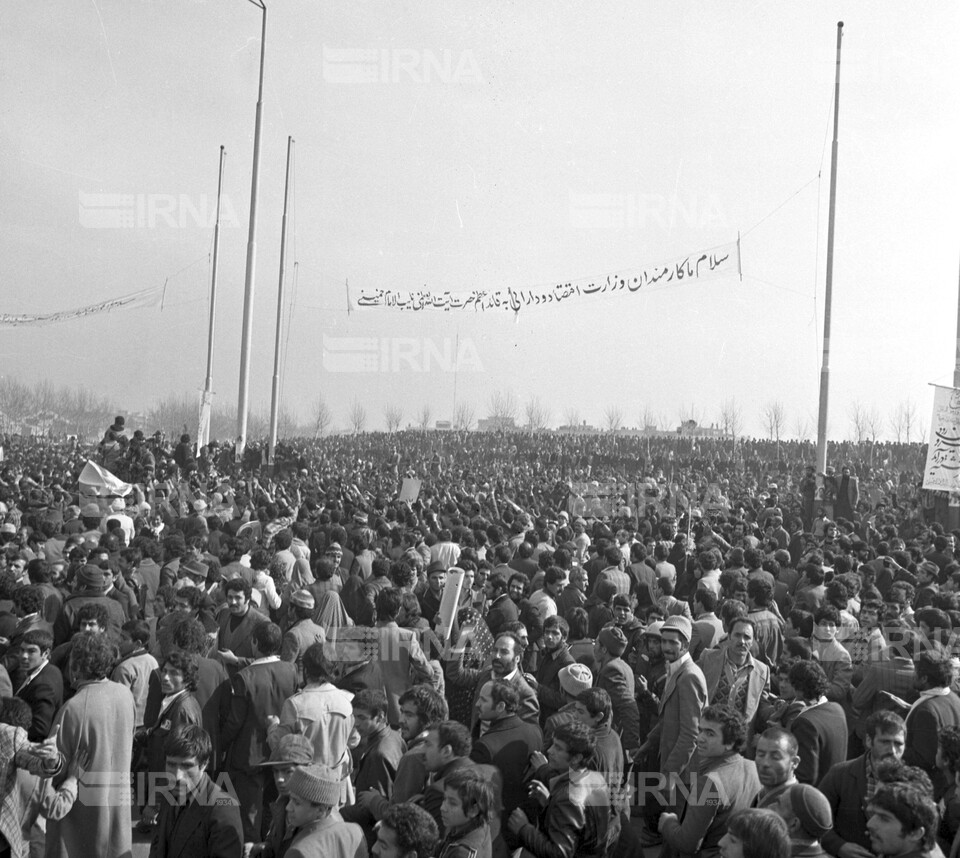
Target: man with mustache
x=849 y=786
x=505 y=664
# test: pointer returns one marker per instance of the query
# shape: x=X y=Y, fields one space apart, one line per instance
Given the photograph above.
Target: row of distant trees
x=48 y=410
x=902 y=424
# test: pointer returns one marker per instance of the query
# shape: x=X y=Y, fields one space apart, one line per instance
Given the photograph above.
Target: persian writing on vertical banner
x=702 y=265
x=942 y=471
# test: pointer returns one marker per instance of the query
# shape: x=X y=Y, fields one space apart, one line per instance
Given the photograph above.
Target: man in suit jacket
x=936 y=708
x=235 y=638
x=670 y=745
x=508 y=741
x=616 y=678
x=845 y=785
x=707 y=627
x=213 y=683
x=258 y=691
x=303 y=631
x=734 y=677
x=507 y=655
x=197 y=817
x=728 y=783
x=38 y=682
x=820 y=728
x=848 y=495
x=503 y=610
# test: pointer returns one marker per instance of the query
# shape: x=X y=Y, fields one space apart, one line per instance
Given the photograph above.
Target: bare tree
x=393 y=414
x=873 y=423
x=321 y=417
x=731 y=418
x=858 y=421
x=463 y=417
x=910 y=422
x=902 y=421
x=774 y=419
x=649 y=419
x=802 y=428
x=358 y=417
x=286 y=423
x=45 y=402
x=613 y=418
x=504 y=408
x=537 y=414
x=423 y=418
x=571 y=416
x=15 y=402
x=258 y=423
x=691 y=412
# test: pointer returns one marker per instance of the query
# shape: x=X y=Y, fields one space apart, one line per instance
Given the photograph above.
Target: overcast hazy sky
x=461 y=146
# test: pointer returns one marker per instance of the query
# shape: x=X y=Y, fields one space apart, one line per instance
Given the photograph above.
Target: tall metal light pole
x=828 y=296
x=275 y=391
x=956 y=364
x=248 y=282
x=203 y=436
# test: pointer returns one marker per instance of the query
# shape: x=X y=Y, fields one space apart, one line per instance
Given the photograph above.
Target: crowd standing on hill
x=461 y=645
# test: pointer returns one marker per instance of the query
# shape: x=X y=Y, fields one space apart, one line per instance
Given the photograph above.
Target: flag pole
x=203 y=436
x=243 y=404
x=828 y=296
x=275 y=393
x=956 y=364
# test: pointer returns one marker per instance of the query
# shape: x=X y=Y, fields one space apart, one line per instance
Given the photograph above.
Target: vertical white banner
x=942 y=471
x=203 y=429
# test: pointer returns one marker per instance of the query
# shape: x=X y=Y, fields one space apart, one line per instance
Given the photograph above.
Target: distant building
x=496 y=424
x=443 y=425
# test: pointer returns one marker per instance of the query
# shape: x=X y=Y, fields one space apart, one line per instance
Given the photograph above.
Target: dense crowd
x=461 y=645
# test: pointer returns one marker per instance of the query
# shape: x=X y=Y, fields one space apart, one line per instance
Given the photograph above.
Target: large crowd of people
x=466 y=645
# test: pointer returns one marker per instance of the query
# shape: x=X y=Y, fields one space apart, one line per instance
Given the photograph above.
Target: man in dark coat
x=38 y=683
x=235 y=638
x=507 y=657
x=821 y=728
x=846 y=784
x=615 y=677
x=197 y=818
x=555 y=655
x=503 y=610
x=938 y=707
x=91 y=588
x=258 y=691
x=508 y=741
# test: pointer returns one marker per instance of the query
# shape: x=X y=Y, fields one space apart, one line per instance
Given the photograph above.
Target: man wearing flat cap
x=673 y=739
x=292 y=752
x=302 y=632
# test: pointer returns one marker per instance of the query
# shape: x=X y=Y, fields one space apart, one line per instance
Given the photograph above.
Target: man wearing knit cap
x=573 y=679
x=313 y=815
x=292 y=752
x=808 y=816
x=91 y=588
x=302 y=631
x=616 y=678
x=672 y=741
